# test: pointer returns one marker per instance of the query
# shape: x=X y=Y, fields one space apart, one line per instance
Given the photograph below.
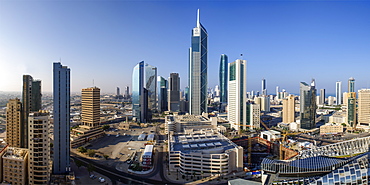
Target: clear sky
x=284 y=42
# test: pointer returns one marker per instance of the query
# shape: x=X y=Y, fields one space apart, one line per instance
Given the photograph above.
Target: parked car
x=101 y=179
x=117 y=135
x=92 y=176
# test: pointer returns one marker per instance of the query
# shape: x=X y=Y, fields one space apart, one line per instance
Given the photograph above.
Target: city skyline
x=103 y=41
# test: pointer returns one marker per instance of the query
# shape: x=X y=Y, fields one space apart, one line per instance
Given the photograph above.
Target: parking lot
x=122 y=145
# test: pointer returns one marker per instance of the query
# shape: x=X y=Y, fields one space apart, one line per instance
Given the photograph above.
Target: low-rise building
x=147 y=156
x=338 y=117
x=331 y=128
x=203 y=152
x=181 y=122
x=14 y=166
x=270 y=135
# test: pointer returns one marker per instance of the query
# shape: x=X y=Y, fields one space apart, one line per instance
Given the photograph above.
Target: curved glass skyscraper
x=223 y=78
x=198 y=70
x=138 y=91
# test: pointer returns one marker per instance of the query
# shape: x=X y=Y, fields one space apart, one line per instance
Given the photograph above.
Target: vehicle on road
x=92 y=176
x=117 y=135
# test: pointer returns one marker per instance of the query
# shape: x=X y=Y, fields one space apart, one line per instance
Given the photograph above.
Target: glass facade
x=308 y=105
x=351 y=85
x=223 y=78
x=151 y=86
x=198 y=70
x=162 y=94
x=351 y=109
x=137 y=89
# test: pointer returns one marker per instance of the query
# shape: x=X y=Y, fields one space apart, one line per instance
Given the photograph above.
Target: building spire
x=198 y=22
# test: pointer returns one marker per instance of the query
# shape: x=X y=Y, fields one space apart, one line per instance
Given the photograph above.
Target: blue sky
x=284 y=42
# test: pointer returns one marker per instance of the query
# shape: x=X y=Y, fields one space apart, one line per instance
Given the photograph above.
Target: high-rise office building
x=322 y=97
x=198 y=70
x=289 y=109
x=61 y=96
x=338 y=92
x=118 y=91
x=364 y=107
x=127 y=92
x=140 y=95
x=263 y=87
x=138 y=90
x=31 y=101
x=174 y=92
x=253 y=115
x=186 y=93
x=351 y=84
x=217 y=91
x=162 y=94
x=13 y=122
x=90 y=103
x=39 y=149
x=223 y=78
x=151 y=86
x=308 y=105
x=351 y=109
x=237 y=114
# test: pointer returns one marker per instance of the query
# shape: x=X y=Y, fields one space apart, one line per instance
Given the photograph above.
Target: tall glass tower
x=151 y=86
x=308 y=105
x=198 y=69
x=162 y=94
x=351 y=85
x=223 y=78
x=338 y=92
x=61 y=101
x=137 y=90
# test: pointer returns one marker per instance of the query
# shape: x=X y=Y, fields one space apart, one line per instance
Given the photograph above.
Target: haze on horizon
x=285 y=42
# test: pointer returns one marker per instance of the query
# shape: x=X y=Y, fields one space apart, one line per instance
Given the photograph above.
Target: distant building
x=338 y=92
x=263 y=102
x=253 y=115
x=61 y=104
x=90 y=104
x=308 y=105
x=263 y=89
x=31 y=101
x=223 y=75
x=237 y=114
x=90 y=128
x=162 y=94
x=364 y=107
x=351 y=109
x=322 y=97
x=289 y=109
x=331 y=100
x=127 y=92
x=13 y=122
x=118 y=92
x=174 y=92
x=198 y=70
x=351 y=84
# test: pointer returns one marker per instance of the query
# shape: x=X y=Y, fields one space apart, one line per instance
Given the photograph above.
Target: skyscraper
x=308 y=105
x=151 y=86
x=13 y=122
x=237 y=114
x=174 y=92
x=90 y=103
x=138 y=91
x=364 y=107
x=351 y=109
x=322 y=97
x=118 y=91
x=31 y=101
x=61 y=96
x=223 y=78
x=289 y=109
x=277 y=93
x=162 y=94
x=263 y=87
x=338 y=92
x=127 y=92
x=351 y=84
x=198 y=69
